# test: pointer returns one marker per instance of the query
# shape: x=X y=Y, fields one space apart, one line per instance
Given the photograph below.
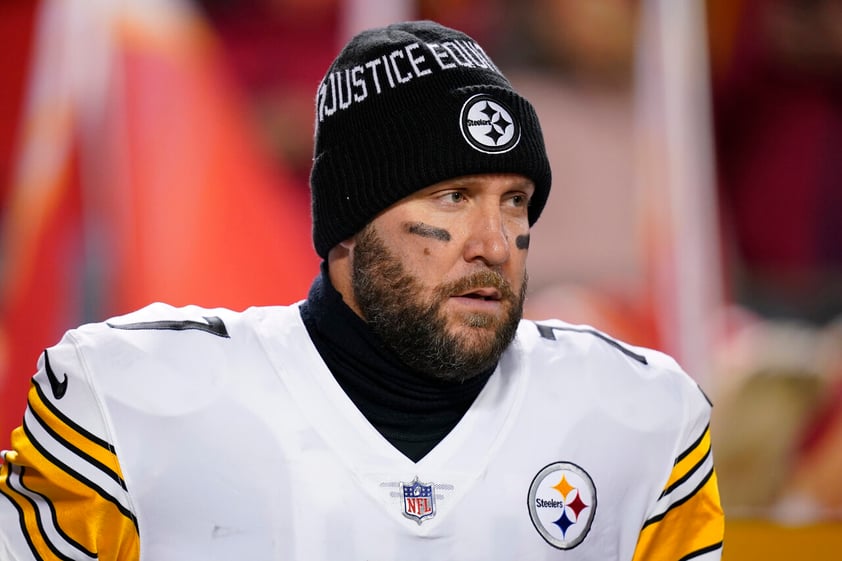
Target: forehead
x=491 y=182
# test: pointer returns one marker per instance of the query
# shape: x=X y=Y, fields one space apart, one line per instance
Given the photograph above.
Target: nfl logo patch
x=419 y=501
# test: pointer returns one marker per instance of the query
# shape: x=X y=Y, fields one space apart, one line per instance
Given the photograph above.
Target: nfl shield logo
x=419 y=501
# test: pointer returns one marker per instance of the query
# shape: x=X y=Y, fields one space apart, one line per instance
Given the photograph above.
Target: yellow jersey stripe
x=25 y=516
x=107 y=528
x=689 y=460
x=42 y=398
x=702 y=551
x=54 y=467
x=103 y=458
x=35 y=520
x=689 y=528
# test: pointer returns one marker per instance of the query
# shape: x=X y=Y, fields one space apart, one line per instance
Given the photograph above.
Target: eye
x=519 y=200
x=454 y=197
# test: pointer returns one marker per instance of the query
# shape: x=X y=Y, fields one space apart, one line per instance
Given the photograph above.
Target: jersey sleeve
x=62 y=492
x=687 y=521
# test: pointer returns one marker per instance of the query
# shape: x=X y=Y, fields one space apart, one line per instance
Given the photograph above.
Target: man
x=404 y=410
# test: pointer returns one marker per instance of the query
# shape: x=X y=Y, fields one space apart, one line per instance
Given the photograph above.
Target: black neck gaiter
x=412 y=411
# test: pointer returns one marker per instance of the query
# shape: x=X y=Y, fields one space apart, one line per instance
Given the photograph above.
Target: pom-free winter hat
x=404 y=107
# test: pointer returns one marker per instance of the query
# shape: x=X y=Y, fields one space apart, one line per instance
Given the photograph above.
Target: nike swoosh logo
x=214 y=326
x=59 y=387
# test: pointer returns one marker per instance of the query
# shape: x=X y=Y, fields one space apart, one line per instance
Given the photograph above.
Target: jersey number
x=214 y=325
x=548 y=332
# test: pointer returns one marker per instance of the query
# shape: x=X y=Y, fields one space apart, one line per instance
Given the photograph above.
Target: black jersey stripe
x=21 y=519
x=546 y=332
x=69 y=422
x=686 y=476
x=701 y=551
x=81 y=453
x=693 y=446
x=38 y=522
x=79 y=477
x=678 y=503
x=214 y=326
x=54 y=517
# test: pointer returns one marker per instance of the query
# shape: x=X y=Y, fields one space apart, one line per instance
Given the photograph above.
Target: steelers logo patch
x=562 y=504
x=488 y=125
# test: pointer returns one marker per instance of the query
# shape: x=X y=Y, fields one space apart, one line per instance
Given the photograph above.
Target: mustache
x=480 y=279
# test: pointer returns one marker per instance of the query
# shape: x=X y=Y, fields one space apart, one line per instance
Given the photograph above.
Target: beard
x=416 y=329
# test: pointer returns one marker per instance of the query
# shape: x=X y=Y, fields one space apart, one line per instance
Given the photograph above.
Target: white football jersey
x=189 y=434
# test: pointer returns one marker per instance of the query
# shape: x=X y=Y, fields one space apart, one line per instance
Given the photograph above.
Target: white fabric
x=245 y=447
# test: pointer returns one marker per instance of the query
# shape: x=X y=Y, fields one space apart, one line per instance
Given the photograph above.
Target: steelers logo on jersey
x=562 y=504
x=488 y=125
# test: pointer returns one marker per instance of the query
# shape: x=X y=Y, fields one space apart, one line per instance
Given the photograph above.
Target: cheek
x=429 y=263
x=517 y=263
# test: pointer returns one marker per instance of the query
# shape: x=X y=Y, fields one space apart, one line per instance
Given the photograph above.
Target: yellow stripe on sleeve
x=688 y=529
x=28 y=519
x=97 y=450
x=691 y=458
x=84 y=489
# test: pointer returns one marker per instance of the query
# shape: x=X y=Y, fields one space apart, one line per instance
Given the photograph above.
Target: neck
x=413 y=412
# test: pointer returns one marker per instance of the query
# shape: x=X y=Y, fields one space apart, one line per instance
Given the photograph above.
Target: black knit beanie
x=404 y=107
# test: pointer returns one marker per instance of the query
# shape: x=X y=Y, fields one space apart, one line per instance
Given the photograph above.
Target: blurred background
x=159 y=150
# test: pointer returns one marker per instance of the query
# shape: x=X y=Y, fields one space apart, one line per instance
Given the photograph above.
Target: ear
x=340 y=270
x=340 y=252
x=348 y=244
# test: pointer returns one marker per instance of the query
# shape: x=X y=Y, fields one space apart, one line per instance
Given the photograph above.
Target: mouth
x=487 y=294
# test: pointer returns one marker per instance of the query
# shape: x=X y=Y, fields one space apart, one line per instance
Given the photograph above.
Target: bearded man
x=405 y=409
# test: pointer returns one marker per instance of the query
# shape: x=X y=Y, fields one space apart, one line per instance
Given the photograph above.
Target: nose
x=487 y=240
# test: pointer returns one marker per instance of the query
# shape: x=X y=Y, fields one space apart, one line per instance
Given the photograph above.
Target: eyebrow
x=427 y=231
x=522 y=241
x=523 y=183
